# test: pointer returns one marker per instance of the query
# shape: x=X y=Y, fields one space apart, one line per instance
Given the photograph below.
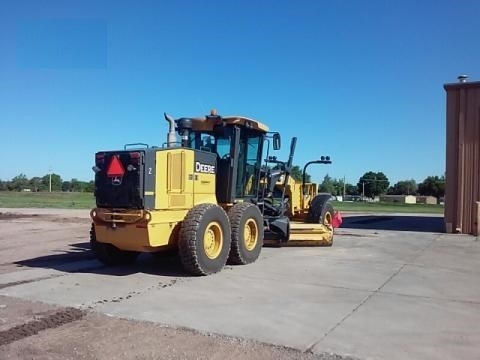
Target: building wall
x=406 y=199
x=462 y=190
x=430 y=200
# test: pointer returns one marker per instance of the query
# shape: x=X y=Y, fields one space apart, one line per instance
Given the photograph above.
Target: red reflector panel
x=337 y=220
x=99 y=158
x=115 y=168
x=135 y=157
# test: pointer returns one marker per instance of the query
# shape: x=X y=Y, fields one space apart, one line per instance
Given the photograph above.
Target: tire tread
x=187 y=244
x=235 y=215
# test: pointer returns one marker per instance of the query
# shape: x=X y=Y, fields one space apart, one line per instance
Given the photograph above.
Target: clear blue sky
x=361 y=81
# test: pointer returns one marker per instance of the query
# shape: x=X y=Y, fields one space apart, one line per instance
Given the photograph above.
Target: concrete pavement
x=376 y=294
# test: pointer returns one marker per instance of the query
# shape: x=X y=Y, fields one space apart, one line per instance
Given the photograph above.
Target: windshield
x=249 y=161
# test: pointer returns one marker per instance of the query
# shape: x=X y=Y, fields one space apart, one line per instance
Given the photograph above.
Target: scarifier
x=209 y=196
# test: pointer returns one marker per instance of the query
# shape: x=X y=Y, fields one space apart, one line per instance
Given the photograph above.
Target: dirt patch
x=13 y=216
x=15 y=311
x=9 y=216
x=98 y=337
x=35 y=326
x=35 y=330
x=75 y=220
x=20 y=282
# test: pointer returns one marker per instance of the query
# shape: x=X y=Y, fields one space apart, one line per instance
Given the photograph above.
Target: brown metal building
x=462 y=187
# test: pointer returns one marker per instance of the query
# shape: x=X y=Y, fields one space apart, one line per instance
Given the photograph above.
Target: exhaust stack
x=172 y=135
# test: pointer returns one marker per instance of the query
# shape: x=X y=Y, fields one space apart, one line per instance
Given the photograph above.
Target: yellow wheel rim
x=327 y=220
x=213 y=240
x=250 y=234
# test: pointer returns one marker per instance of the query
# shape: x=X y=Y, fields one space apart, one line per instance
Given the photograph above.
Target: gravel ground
x=32 y=330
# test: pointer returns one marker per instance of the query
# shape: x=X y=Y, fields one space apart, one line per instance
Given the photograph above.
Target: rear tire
x=109 y=254
x=247 y=233
x=204 y=239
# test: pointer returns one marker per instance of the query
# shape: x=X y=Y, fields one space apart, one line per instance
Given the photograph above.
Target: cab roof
x=207 y=123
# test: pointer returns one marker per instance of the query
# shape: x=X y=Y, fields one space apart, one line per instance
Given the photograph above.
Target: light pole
x=50 y=180
x=374 y=180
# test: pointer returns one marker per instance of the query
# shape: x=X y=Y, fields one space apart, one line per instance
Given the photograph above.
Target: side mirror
x=277 y=142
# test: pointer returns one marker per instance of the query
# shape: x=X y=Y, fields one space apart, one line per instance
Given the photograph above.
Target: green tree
x=297 y=174
x=66 y=186
x=351 y=189
x=333 y=186
x=18 y=183
x=339 y=187
x=372 y=184
x=404 y=187
x=336 y=187
x=327 y=185
x=56 y=182
x=76 y=185
x=432 y=186
x=35 y=184
x=3 y=185
x=90 y=186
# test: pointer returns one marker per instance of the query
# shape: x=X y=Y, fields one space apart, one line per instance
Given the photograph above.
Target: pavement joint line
x=344 y=260
x=315 y=343
x=52 y=276
x=362 y=261
x=470 y=302
x=22 y=282
x=319 y=285
x=70 y=257
x=437 y=267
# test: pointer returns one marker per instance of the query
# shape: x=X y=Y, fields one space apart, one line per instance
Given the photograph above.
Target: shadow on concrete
x=169 y=264
x=425 y=223
x=80 y=259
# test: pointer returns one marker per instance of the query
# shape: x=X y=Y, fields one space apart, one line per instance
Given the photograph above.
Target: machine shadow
x=70 y=262
x=424 y=223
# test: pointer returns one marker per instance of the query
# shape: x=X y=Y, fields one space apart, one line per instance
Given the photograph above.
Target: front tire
x=204 y=239
x=247 y=233
x=109 y=254
x=321 y=210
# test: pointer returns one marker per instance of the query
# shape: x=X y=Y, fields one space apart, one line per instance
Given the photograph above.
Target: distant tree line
x=372 y=184
x=35 y=184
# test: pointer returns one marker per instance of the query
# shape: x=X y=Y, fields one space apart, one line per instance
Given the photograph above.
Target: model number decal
x=204 y=168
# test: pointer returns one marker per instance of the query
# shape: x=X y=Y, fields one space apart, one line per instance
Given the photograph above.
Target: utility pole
x=375 y=182
x=50 y=180
x=344 y=187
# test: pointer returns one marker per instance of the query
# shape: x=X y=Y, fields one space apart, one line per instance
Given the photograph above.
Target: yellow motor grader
x=215 y=195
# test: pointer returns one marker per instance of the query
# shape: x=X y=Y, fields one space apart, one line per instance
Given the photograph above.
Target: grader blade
x=302 y=234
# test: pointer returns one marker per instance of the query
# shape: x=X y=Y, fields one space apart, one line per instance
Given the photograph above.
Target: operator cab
x=237 y=143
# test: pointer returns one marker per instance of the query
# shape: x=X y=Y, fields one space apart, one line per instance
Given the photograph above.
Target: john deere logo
x=204 y=168
x=115 y=170
x=117 y=180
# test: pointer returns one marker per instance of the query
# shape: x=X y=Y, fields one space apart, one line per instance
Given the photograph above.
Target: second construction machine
x=216 y=195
